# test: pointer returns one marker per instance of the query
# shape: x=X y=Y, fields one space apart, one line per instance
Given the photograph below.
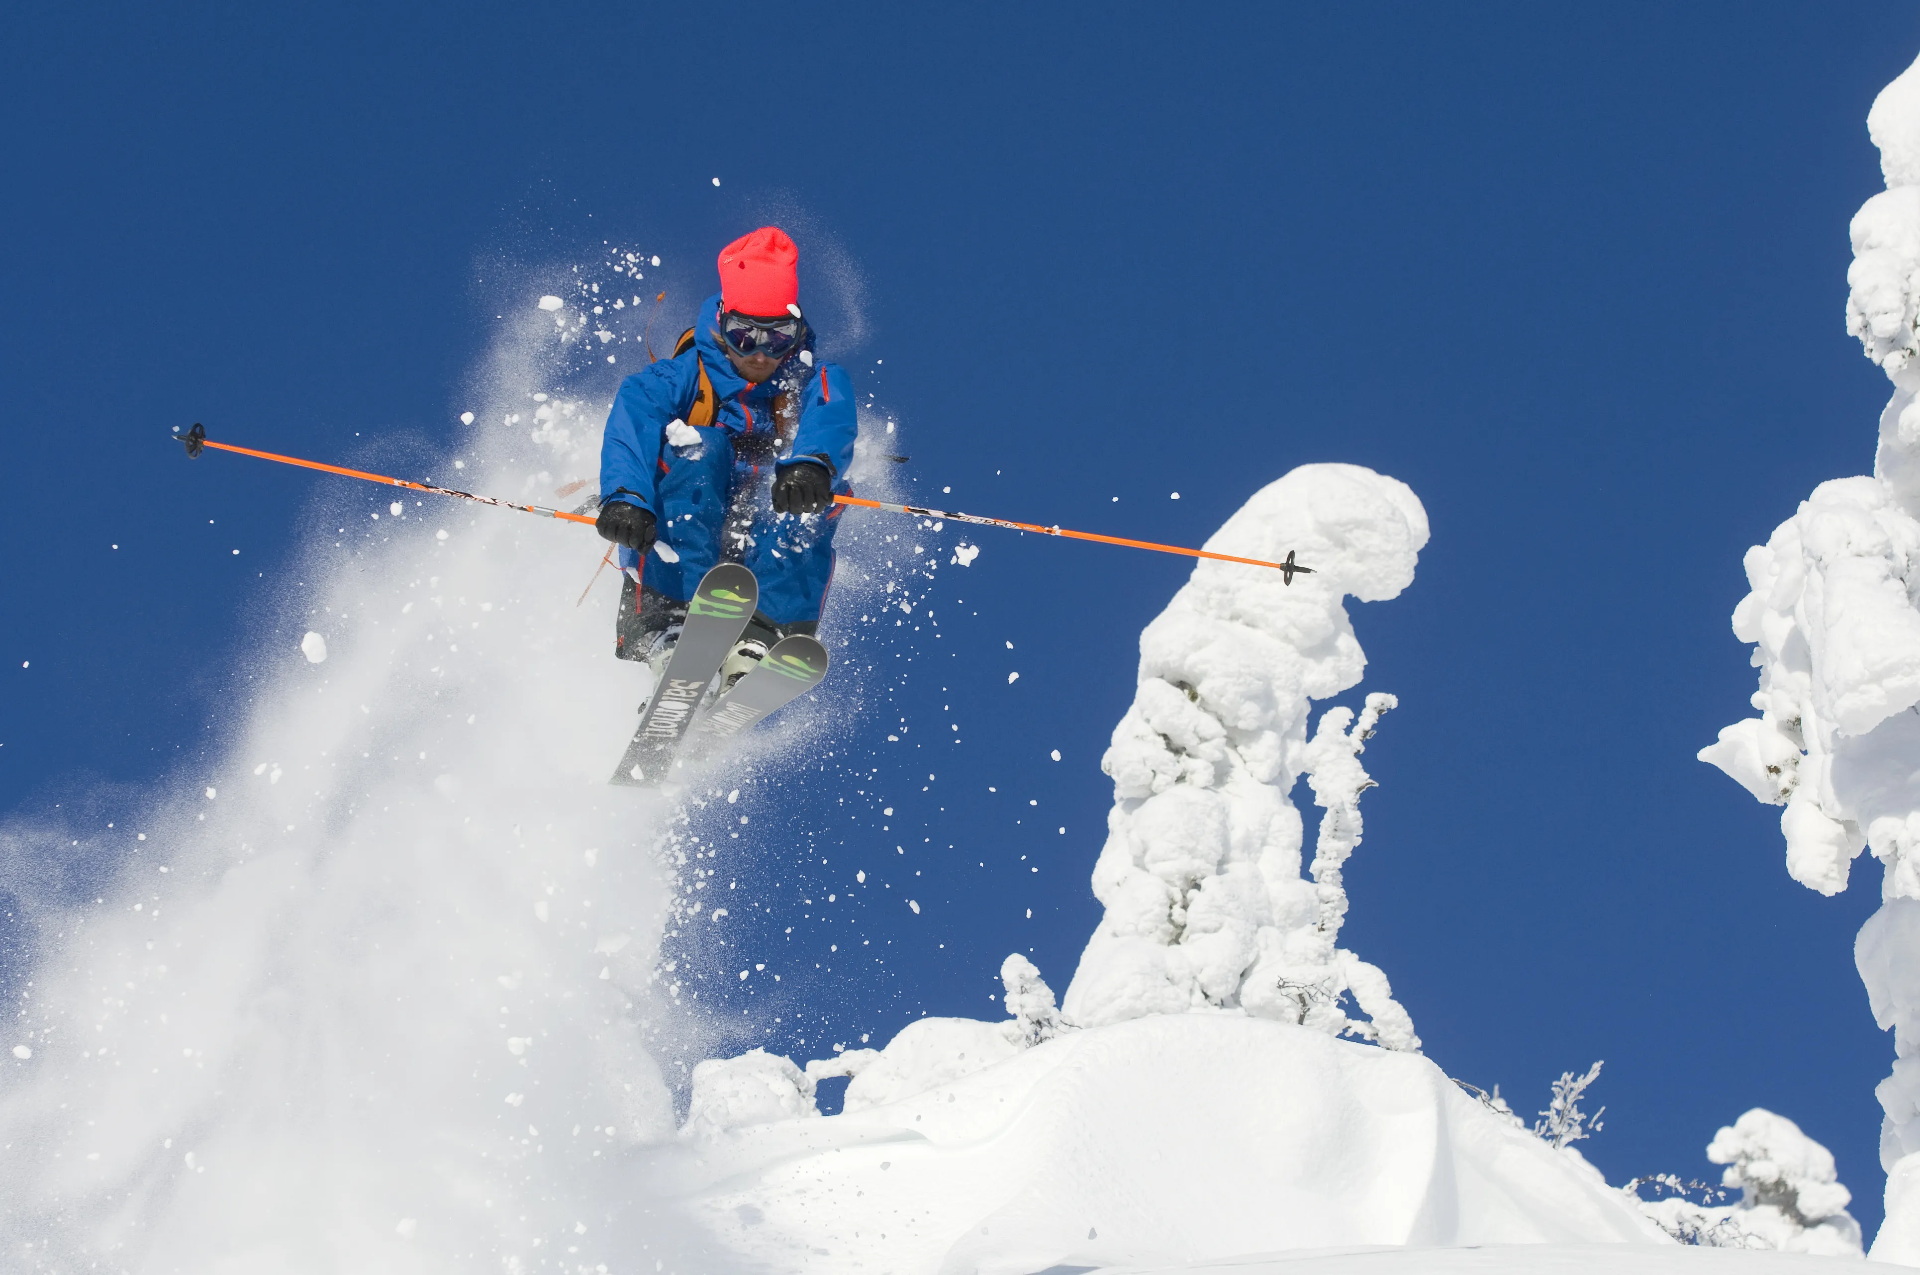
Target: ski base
x=716 y=617
x=793 y=667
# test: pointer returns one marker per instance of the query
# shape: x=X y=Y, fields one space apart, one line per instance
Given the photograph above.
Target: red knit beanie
x=757 y=273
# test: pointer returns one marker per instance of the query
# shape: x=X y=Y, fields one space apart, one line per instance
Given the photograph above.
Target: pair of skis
x=672 y=731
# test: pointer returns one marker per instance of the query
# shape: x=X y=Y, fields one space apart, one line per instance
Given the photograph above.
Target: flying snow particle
x=210 y=794
x=861 y=876
x=806 y=356
x=915 y=906
x=656 y=261
x=314 y=647
x=515 y=1099
x=22 y=1052
x=551 y=303
x=888 y=811
x=1056 y=754
x=1012 y=678
x=405 y=1228
x=733 y=796
x=466 y=418
x=440 y=534
x=396 y=508
x=964 y=555
x=666 y=551
x=743 y=976
x=1176 y=495
x=716 y=181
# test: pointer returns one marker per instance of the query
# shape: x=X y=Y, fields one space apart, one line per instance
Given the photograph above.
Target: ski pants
x=714 y=505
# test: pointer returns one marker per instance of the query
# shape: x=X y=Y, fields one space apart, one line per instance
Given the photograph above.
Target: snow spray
x=372 y=988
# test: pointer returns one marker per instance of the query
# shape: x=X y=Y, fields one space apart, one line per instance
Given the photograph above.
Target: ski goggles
x=775 y=337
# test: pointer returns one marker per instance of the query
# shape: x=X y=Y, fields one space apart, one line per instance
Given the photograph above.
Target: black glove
x=802 y=488
x=625 y=524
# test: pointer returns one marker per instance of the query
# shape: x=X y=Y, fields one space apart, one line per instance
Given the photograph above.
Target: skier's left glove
x=804 y=487
x=625 y=524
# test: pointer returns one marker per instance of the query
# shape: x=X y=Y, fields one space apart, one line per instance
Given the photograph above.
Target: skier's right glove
x=802 y=487
x=625 y=524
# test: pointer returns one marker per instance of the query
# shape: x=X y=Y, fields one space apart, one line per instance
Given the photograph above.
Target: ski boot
x=761 y=633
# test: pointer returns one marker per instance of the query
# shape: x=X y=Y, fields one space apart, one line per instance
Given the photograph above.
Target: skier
x=731 y=451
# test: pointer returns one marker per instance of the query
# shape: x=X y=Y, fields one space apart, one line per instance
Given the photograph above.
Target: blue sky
x=1574 y=273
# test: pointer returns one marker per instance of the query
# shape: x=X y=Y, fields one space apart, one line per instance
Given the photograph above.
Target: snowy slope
x=1554 y=1259
x=1160 y=1139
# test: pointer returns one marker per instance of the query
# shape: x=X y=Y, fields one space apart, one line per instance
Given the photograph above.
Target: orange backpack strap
x=786 y=415
x=705 y=402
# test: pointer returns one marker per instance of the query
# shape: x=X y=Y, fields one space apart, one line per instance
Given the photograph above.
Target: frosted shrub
x=755 y=1088
x=1791 y=1198
x=1029 y=1000
x=1206 y=904
x=1563 y=1123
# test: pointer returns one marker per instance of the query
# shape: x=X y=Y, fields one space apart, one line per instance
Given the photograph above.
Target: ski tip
x=195 y=439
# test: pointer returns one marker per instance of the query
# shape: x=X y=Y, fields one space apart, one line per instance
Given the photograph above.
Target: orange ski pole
x=196 y=438
x=1287 y=569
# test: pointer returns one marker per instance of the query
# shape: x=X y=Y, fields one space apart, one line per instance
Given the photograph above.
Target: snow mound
x=1201 y=879
x=1155 y=1140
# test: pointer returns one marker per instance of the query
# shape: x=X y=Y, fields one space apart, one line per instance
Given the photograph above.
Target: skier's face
x=753 y=368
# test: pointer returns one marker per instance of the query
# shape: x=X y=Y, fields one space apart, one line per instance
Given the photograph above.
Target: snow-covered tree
x=1834 y=615
x=1791 y=1198
x=1206 y=904
x=1029 y=1000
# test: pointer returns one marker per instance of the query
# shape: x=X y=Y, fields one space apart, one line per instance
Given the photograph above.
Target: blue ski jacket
x=630 y=453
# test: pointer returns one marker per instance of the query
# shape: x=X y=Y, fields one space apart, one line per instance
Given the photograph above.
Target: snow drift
x=1834 y=615
x=1161 y=1139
